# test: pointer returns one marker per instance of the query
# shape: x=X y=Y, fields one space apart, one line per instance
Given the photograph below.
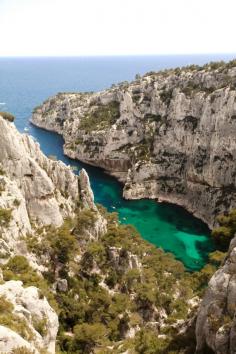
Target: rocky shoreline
x=69 y=273
x=168 y=136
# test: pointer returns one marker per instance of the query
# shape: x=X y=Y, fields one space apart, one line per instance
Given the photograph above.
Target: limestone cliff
x=70 y=273
x=35 y=192
x=39 y=322
x=216 y=320
x=168 y=136
x=50 y=188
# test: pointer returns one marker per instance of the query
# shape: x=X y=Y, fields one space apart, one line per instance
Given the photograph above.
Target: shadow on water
x=167 y=226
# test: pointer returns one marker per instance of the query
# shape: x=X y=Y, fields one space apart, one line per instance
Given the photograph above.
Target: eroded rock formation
x=35 y=192
x=216 y=320
x=168 y=135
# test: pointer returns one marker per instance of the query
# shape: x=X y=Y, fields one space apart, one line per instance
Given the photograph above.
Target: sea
x=27 y=82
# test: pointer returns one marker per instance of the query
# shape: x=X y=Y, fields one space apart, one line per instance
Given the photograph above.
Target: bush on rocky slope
x=115 y=286
x=8 y=116
x=101 y=117
x=226 y=230
x=119 y=292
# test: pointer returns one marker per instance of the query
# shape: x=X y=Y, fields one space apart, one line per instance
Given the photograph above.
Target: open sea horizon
x=25 y=82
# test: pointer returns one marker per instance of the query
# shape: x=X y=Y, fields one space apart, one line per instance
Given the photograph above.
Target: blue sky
x=116 y=27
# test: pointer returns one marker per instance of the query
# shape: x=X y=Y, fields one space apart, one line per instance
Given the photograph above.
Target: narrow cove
x=27 y=82
x=167 y=226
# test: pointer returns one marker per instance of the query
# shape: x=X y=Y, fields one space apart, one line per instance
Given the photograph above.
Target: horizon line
x=114 y=55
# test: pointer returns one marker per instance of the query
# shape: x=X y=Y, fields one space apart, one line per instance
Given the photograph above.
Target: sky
x=116 y=27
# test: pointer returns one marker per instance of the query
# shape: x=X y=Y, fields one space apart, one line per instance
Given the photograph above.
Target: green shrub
x=5 y=217
x=226 y=230
x=147 y=342
x=2 y=172
x=16 y=202
x=62 y=245
x=102 y=117
x=7 y=116
x=22 y=350
x=18 y=268
x=87 y=336
x=85 y=219
x=40 y=325
x=14 y=322
x=166 y=96
x=216 y=258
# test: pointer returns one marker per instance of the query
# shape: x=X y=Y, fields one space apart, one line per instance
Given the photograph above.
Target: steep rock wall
x=168 y=136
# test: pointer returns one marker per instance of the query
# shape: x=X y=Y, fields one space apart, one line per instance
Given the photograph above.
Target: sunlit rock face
x=30 y=310
x=49 y=188
x=168 y=136
x=216 y=320
x=35 y=192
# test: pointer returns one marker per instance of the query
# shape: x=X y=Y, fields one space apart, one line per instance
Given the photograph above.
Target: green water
x=167 y=226
x=26 y=82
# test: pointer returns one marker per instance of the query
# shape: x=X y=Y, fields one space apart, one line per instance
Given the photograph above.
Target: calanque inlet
x=73 y=279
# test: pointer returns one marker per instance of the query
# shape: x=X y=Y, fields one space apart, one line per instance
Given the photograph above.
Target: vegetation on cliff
x=120 y=293
x=8 y=116
x=103 y=116
x=226 y=230
x=169 y=135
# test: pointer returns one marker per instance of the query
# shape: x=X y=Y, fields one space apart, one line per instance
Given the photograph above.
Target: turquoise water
x=167 y=226
x=26 y=82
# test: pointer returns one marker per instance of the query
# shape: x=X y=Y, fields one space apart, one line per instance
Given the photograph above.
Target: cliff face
x=49 y=188
x=168 y=136
x=31 y=311
x=66 y=262
x=216 y=320
x=35 y=192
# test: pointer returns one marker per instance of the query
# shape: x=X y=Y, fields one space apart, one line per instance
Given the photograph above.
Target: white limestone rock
x=216 y=320
x=30 y=305
x=10 y=340
x=174 y=139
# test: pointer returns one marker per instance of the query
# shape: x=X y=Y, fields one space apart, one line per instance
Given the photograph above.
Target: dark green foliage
x=18 y=265
x=216 y=258
x=8 y=116
x=226 y=230
x=86 y=337
x=153 y=117
x=99 y=319
x=93 y=316
x=231 y=64
x=102 y=117
x=84 y=220
x=190 y=88
x=166 y=96
x=5 y=217
x=147 y=342
x=62 y=245
x=40 y=325
x=2 y=172
x=18 y=268
x=9 y=319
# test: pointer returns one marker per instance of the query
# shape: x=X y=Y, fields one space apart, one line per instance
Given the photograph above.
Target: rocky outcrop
x=36 y=193
x=116 y=278
x=11 y=340
x=50 y=188
x=216 y=321
x=38 y=319
x=168 y=136
x=35 y=189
